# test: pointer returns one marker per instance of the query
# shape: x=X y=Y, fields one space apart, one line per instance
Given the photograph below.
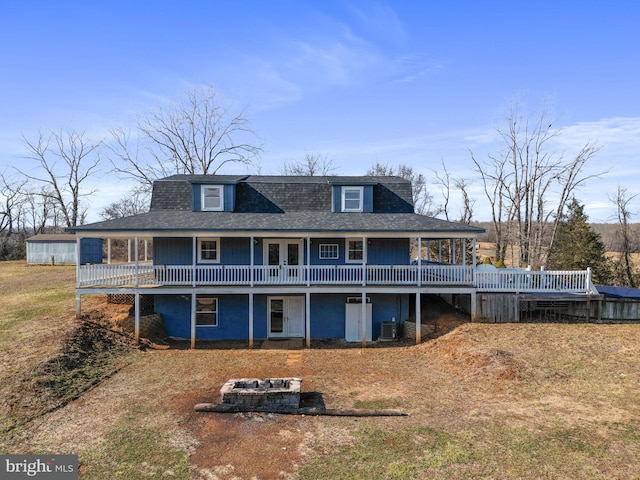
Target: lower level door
x=354 y=324
x=286 y=316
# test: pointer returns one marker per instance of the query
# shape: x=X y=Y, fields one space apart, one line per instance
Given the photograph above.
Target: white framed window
x=355 y=250
x=209 y=250
x=212 y=198
x=329 y=251
x=352 y=199
x=206 y=311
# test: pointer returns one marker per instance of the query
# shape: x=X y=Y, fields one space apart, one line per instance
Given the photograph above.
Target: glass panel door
x=293 y=259
x=273 y=258
x=276 y=316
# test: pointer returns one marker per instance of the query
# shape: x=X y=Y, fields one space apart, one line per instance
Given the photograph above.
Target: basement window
x=206 y=311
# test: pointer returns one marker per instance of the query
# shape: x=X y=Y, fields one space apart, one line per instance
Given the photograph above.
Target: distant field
x=501 y=401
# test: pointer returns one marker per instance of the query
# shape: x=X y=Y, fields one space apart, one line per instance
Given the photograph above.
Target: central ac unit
x=387 y=330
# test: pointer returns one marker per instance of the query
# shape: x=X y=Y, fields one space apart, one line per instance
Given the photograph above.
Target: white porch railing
x=499 y=280
x=521 y=280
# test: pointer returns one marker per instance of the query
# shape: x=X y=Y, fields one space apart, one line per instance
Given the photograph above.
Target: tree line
x=530 y=187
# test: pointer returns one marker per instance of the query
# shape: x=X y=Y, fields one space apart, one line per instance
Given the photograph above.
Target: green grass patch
x=133 y=450
x=382 y=454
x=501 y=452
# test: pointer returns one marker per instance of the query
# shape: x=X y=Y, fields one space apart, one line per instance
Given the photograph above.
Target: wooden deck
x=445 y=276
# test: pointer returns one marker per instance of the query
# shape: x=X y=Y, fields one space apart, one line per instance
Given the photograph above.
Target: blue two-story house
x=258 y=257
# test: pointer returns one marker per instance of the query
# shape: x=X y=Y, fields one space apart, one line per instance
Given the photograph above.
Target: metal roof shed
x=60 y=249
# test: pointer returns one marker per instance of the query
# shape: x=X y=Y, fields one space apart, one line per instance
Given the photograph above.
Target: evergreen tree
x=577 y=247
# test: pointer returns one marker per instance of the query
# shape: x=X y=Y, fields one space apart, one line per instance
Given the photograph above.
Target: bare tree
x=313 y=164
x=66 y=159
x=495 y=184
x=622 y=200
x=131 y=204
x=422 y=198
x=40 y=211
x=528 y=184
x=466 y=213
x=194 y=134
x=12 y=199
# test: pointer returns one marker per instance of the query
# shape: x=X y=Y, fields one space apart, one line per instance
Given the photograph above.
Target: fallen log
x=230 y=408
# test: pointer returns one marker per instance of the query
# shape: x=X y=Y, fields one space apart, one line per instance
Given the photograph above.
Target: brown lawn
x=484 y=401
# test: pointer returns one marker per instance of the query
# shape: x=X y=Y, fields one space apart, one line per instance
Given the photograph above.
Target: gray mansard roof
x=279 y=204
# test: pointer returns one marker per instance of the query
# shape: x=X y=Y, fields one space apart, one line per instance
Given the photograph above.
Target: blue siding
x=327 y=315
x=172 y=251
x=233 y=317
x=368 y=199
x=90 y=250
x=178 y=251
x=175 y=311
x=229 y=198
x=386 y=306
x=235 y=251
x=197 y=198
x=388 y=251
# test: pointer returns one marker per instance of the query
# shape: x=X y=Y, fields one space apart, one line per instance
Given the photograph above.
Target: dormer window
x=352 y=199
x=212 y=198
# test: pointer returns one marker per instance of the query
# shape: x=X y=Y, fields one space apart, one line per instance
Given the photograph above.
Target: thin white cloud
x=381 y=20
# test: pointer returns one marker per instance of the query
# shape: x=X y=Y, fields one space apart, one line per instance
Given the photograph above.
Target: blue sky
x=361 y=82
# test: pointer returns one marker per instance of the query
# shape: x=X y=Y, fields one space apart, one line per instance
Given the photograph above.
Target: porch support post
x=454 y=257
x=146 y=249
x=363 y=321
x=193 y=320
x=252 y=250
x=128 y=250
x=418 y=318
x=108 y=251
x=473 y=252
x=308 y=261
x=251 y=316
x=136 y=253
x=440 y=251
x=307 y=319
x=78 y=253
x=428 y=250
x=474 y=306
x=137 y=317
x=364 y=262
x=194 y=258
x=419 y=261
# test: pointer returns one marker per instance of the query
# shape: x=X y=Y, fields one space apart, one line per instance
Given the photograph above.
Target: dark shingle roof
x=301 y=221
x=280 y=204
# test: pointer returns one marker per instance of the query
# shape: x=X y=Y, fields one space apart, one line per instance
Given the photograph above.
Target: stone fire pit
x=262 y=392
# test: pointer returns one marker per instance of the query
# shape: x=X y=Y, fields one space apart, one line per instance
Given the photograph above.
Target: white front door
x=286 y=316
x=283 y=258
